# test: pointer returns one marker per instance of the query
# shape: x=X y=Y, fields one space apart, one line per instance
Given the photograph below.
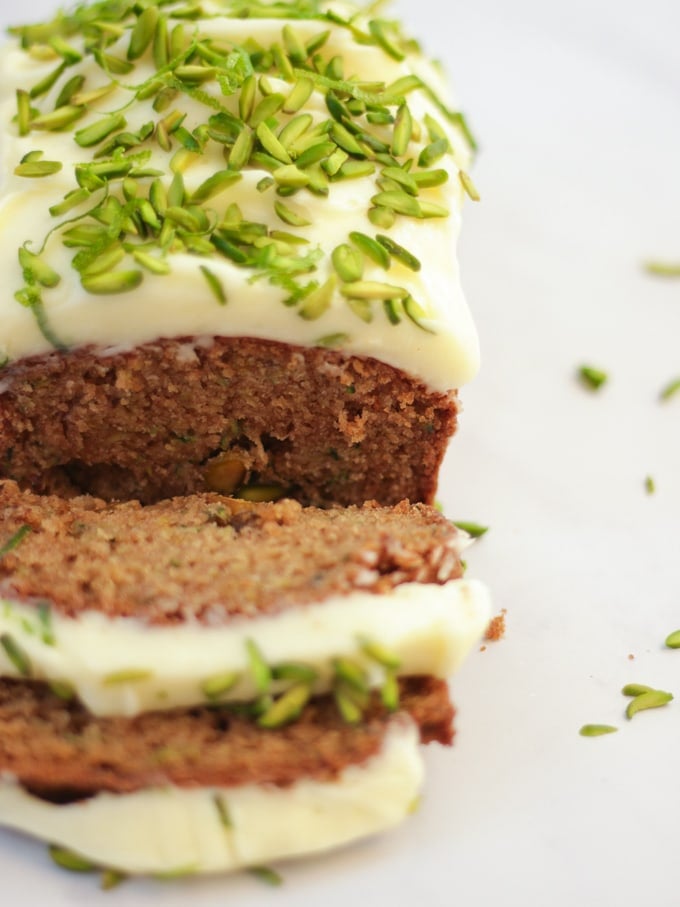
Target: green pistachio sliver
x=260 y=671
x=111 y=878
x=97 y=132
x=289 y=216
x=272 y=144
x=267 y=875
x=127 y=675
x=44 y=85
x=298 y=673
x=474 y=530
x=319 y=300
x=287 y=707
x=597 y=730
x=246 y=101
x=161 y=43
x=433 y=152
x=355 y=170
x=663 y=268
x=298 y=97
x=87 y=98
x=215 y=285
x=112 y=282
x=636 y=689
x=349 y=710
x=291 y=177
x=399 y=252
x=382 y=217
x=215 y=687
x=62 y=689
x=58 y=119
x=652 y=699
x=23 y=111
x=267 y=107
x=373 y=289
x=344 y=138
x=468 y=185
x=333 y=163
x=670 y=390
x=393 y=310
x=242 y=149
x=399 y=202
x=294 y=129
x=389 y=692
x=223 y=811
x=361 y=308
x=403 y=130
x=16 y=655
x=378 y=29
x=45 y=621
x=592 y=378
x=214 y=185
x=428 y=179
x=143 y=32
x=380 y=654
x=295 y=48
x=151 y=262
x=315 y=154
x=351 y=673
x=371 y=248
x=195 y=74
x=333 y=341
x=348 y=263
x=430 y=209
x=69 y=54
x=417 y=314
x=33 y=266
x=71 y=201
x=38 y=169
x=32 y=156
x=228 y=249
x=67 y=859
x=650 y=484
x=673 y=640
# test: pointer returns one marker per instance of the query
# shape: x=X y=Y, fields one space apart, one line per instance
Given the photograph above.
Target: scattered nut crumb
x=631 y=657
x=496 y=628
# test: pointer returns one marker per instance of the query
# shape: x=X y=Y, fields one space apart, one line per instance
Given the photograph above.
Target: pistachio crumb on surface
x=597 y=730
x=591 y=377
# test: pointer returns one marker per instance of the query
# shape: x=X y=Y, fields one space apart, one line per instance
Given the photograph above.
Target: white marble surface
x=576 y=107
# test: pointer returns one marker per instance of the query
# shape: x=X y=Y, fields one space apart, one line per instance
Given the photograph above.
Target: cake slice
x=212 y=599
x=228 y=250
x=206 y=683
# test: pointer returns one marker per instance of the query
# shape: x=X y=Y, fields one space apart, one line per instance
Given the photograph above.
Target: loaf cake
x=206 y=682
x=227 y=236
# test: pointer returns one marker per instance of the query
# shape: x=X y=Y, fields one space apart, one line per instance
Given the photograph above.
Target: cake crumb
x=496 y=628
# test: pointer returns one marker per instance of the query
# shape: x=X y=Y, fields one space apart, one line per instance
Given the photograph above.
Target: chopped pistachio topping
x=369 y=132
x=650 y=484
x=670 y=390
x=266 y=875
x=673 y=640
x=286 y=708
x=260 y=671
x=223 y=811
x=15 y=540
x=219 y=685
x=597 y=730
x=474 y=530
x=650 y=699
x=636 y=689
x=16 y=654
x=663 y=268
x=67 y=859
x=592 y=378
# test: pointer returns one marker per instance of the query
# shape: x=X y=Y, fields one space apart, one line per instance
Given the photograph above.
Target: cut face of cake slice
x=211 y=599
x=229 y=254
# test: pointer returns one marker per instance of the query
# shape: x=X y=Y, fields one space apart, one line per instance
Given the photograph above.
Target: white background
x=577 y=108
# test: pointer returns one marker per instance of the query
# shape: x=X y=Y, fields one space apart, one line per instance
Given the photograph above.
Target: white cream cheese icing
x=178 y=830
x=443 y=356
x=122 y=666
